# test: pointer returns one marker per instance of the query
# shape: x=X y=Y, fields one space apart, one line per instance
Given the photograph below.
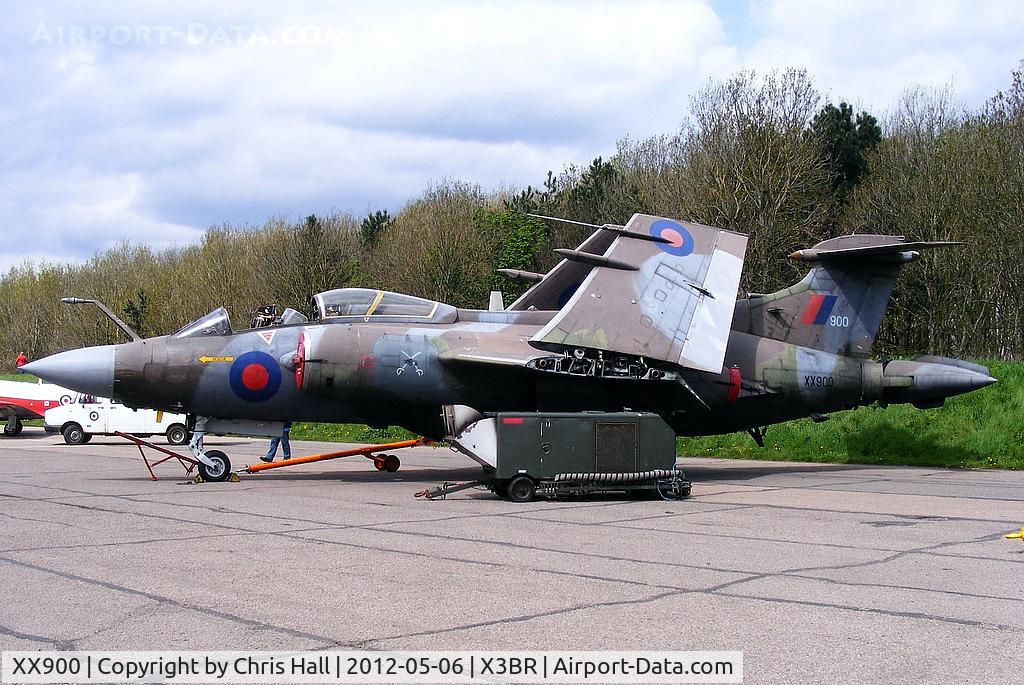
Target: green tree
x=317 y=259
x=743 y=162
x=435 y=249
x=373 y=225
x=517 y=239
x=846 y=141
x=135 y=313
x=587 y=198
x=945 y=174
x=535 y=200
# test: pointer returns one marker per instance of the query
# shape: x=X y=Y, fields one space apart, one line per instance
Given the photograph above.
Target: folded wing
x=665 y=290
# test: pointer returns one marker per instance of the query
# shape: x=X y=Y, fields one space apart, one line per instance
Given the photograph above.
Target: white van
x=88 y=415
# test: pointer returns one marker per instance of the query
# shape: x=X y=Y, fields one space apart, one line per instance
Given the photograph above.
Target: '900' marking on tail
x=818 y=309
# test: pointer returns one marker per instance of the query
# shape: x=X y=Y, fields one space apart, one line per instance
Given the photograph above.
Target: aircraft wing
x=663 y=290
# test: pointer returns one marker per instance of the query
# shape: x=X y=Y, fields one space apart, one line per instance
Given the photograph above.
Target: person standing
x=281 y=440
x=21 y=360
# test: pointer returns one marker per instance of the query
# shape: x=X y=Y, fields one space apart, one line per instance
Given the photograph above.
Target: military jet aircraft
x=642 y=317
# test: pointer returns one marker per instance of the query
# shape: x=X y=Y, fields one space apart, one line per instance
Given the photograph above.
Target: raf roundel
x=255 y=376
x=680 y=242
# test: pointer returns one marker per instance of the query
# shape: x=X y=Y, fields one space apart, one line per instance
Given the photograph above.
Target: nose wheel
x=213 y=465
x=218 y=470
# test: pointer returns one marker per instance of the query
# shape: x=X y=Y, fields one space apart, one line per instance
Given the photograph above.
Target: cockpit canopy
x=343 y=303
x=214 y=323
x=362 y=303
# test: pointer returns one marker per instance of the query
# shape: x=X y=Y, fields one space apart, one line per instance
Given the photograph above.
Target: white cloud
x=96 y=212
x=154 y=138
x=870 y=51
x=109 y=139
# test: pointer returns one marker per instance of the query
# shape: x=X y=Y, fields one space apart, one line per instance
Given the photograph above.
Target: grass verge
x=18 y=377
x=982 y=429
x=348 y=432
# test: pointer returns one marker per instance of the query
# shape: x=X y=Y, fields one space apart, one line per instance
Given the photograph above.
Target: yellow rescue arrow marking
x=206 y=360
x=1019 y=535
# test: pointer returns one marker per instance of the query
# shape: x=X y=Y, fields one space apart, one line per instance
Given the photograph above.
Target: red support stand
x=188 y=463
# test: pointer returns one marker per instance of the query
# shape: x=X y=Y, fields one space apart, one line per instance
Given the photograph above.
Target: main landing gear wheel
x=522 y=489
x=13 y=428
x=219 y=471
x=392 y=463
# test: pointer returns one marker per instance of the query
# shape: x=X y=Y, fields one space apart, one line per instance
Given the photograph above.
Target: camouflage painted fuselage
x=381 y=373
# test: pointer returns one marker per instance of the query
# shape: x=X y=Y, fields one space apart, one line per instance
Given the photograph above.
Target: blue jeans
x=283 y=442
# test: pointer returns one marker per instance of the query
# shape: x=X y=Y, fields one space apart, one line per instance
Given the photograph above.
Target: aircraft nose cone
x=87 y=370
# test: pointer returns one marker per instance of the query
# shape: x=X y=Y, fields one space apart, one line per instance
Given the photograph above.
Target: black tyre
x=522 y=489
x=219 y=471
x=500 y=488
x=177 y=434
x=74 y=435
x=87 y=438
x=13 y=428
x=392 y=463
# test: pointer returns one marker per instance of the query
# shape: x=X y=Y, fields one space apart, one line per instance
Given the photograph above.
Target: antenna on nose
x=106 y=310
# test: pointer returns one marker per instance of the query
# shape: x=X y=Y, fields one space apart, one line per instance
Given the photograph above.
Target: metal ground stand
x=188 y=463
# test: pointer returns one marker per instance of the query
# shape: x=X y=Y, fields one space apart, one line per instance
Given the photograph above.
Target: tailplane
x=837 y=307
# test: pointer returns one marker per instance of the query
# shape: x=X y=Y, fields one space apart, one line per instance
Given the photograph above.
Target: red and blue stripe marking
x=818 y=309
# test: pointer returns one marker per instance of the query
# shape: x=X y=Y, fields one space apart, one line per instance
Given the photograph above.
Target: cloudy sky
x=151 y=121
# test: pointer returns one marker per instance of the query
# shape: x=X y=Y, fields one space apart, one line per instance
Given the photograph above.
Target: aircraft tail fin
x=838 y=306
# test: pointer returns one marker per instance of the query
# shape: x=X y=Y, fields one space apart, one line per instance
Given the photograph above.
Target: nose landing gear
x=214 y=466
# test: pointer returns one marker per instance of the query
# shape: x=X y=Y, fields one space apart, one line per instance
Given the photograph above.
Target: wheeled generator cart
x=561 y=454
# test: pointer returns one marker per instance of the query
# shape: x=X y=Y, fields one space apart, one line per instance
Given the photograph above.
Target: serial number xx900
x=819 y=381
